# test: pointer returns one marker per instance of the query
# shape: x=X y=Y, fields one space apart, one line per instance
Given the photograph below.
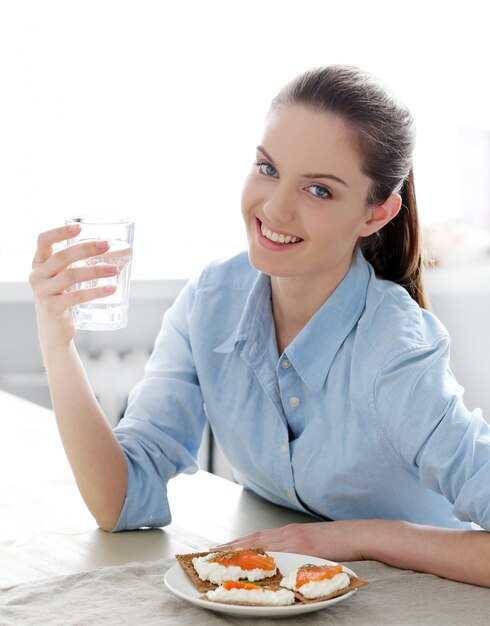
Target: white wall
x=474 y=175
x=153 y=109
x=460 y=297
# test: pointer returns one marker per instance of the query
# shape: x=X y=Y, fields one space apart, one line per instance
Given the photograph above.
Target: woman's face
x=304 y=200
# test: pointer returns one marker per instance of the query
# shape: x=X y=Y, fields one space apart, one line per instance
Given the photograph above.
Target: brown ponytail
x=383 y=132
x=395 y=250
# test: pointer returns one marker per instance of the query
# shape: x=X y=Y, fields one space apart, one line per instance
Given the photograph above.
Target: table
x=46 y=532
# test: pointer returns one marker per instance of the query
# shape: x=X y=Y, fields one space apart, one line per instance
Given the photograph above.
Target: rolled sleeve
x=162 y=428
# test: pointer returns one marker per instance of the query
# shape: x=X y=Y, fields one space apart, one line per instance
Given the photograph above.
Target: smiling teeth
x=276 y=237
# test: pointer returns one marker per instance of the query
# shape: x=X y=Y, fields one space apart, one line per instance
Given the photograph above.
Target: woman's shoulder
x=394 y=324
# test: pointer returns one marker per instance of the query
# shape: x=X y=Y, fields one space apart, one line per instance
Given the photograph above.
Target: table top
x=46 y=530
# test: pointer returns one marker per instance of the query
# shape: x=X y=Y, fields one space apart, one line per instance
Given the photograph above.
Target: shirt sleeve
x=162 y=428
x=419 y=407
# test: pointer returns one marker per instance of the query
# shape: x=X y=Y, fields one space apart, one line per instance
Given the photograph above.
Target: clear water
x=110 y=312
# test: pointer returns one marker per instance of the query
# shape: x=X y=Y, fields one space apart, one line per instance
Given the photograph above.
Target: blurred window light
x=153 y=110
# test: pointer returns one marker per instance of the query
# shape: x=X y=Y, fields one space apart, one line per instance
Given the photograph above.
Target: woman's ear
x=381 y=215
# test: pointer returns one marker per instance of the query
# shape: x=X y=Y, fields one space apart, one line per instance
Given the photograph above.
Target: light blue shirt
x=360 y=417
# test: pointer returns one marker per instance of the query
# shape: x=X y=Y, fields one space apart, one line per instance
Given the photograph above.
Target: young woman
x=324 y=378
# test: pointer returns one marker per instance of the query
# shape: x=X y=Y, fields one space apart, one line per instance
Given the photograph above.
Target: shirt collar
x=255 y=322
x=314 y=348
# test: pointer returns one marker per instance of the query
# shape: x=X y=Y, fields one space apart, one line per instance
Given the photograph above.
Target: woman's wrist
x=379 y=537
x=54 y=337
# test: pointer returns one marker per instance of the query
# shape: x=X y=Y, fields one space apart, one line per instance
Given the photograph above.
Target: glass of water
x=110 y=312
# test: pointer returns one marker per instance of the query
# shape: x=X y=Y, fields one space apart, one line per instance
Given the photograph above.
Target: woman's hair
x=384 y=135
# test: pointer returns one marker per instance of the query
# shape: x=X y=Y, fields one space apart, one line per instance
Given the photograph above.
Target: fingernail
x=72 y=228
x=110 y=269
x=109 y=288
x=101 y=244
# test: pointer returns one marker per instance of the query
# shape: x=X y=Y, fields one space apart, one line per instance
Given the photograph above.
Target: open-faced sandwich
x=207 y=570
x=249 y=576
x=251 y=594
x=315 y=583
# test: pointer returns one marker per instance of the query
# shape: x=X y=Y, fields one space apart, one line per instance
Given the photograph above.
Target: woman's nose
x=278 y=207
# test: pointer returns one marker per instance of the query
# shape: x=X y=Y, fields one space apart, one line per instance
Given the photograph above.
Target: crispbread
x=185 y=561
x=354 y=583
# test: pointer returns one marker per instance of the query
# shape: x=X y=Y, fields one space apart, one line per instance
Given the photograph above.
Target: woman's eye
x=319 y=191
x=266 y=168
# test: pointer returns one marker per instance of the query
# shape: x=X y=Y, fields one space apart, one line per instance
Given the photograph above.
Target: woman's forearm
x=462 y=555
x=95 y=455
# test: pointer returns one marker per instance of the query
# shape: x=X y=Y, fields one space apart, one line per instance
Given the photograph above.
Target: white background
x=153 y=109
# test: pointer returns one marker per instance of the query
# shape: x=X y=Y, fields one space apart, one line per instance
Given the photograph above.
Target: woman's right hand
x=52 y=279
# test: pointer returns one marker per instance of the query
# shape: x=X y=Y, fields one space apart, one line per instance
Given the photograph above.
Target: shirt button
x=289 y=494
x=286 y=363
x=284 y=448
x=294 y=401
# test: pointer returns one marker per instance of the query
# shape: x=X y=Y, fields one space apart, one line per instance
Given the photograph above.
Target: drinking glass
x=109 y=312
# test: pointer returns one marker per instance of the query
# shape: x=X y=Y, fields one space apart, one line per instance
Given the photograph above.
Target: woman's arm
x=462 y=555
x=95 y=455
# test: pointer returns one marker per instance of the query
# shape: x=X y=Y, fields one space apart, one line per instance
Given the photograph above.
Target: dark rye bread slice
x=354 y=583
x=185 y=561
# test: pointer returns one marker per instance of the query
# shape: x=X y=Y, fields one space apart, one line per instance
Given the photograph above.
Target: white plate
x=177 y=581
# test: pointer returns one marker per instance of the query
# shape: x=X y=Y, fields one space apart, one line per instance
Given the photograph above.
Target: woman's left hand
x=336 y=541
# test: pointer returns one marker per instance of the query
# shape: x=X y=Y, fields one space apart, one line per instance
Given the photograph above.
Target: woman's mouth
x=277 y=237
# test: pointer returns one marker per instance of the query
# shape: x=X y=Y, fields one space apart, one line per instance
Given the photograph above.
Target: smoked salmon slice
x=315 y=573
x=239 y=584
x=246 y=559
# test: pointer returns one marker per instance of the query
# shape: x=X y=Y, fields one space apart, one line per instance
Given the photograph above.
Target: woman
x=325 y=380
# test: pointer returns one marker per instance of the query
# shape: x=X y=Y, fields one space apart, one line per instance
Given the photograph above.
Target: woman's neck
x=295 y=300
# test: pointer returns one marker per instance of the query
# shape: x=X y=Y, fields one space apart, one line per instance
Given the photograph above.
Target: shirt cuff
x=142 y=508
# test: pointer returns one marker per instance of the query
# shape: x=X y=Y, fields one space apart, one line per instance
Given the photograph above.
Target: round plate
x=177 y=581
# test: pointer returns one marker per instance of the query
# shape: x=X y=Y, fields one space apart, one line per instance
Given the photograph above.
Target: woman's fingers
x=56 y=306
x=62 y=259
x=277 y=539
x=53 y=275
x=75 y=276
x=46 y=240
x=47 y=264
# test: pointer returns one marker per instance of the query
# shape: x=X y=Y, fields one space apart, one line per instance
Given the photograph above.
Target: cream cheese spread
x=217 y=574
x=252 y=596
x=316 y=589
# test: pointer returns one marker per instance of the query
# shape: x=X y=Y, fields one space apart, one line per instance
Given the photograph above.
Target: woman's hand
x=457 y=554
x=52 y=278
x=336 y=541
